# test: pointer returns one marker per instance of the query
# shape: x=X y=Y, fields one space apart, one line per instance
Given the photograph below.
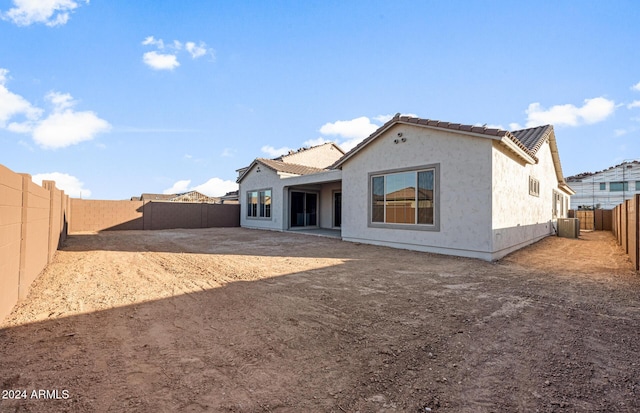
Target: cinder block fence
x=34 y=220
x=33 y=223
x=626 y=228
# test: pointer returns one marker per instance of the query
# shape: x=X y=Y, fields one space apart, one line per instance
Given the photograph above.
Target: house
x=418 y=184
x=606 y=189
x=230 y=198
x=190 y=197
x=280 y=194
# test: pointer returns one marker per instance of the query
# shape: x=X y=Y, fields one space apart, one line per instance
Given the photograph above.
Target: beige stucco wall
x=465 y=190
x=520 y=219
x=265 y=179
x=326 y=203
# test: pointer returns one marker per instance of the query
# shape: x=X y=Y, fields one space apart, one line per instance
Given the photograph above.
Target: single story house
x=417 y=184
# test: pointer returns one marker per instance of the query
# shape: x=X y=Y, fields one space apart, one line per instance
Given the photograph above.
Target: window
x=558 y=205
x=534 y=186
x=259 y=204
x=618 y=186
x=637 y=185
x=603 y=186
x=405 y=198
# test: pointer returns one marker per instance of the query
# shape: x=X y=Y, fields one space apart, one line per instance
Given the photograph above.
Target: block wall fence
x=33 y=223
x=91 y=216
x=626 y=228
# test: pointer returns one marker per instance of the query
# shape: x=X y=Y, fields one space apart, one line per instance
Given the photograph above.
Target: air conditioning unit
x=568 y=227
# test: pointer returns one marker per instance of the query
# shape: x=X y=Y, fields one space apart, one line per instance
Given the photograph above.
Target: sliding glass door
x=304 y=209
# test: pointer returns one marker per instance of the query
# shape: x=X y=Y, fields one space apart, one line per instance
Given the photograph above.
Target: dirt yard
x=234 y=320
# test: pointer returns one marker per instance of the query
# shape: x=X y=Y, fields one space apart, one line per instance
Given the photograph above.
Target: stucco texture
x=464 y=190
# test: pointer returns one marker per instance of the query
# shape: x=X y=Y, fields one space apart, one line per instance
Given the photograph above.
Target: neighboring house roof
x=194 y=196
x=579 y=177
x=319 y=156
x=304 y=161
x=156 y=197
x=291 y=168
x=191 y=196
x=290 y=156
x=229 y=195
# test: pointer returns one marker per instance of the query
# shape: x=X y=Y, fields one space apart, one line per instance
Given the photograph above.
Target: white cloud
x=515 y=126
x=358 y=128
x=196 y=50
x=316 y=141
x=216 y=187
x=274 y=152
x=634 y=104
x=168 y=60
x=50 y=12
x=151 y=41
x=213 y=187
x=620 y=132
x=593 y=111
x=383 y=118
x=178 y=188
x=636 y=87
x=71 y=185
x=355 y=130
x=228 y=153
x=61 y=128
x=67 y=128
x=159 y=61
x=60 y=101
x=12 y=105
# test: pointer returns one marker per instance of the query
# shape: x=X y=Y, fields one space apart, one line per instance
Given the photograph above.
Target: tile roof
x=533 y=138
x=291 y=168
x=528 y=140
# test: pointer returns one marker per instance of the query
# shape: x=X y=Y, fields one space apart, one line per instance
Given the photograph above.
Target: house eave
x=511 y=145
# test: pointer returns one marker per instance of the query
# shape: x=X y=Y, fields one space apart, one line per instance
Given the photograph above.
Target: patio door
x=304 y=209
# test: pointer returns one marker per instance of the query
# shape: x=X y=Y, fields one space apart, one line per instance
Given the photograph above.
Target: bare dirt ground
x=251 y=321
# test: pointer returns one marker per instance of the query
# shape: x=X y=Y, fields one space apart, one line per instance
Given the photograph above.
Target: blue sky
x=115 y=98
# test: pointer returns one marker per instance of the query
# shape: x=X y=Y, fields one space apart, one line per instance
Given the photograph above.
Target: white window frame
x=534 y=186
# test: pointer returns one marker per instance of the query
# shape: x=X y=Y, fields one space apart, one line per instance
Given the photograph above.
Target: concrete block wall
x=98 y=215
x=625 y=225
x=168 y=215
x=33 y=223
x=10 y=238
x=35 y=231
x=136 y=215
